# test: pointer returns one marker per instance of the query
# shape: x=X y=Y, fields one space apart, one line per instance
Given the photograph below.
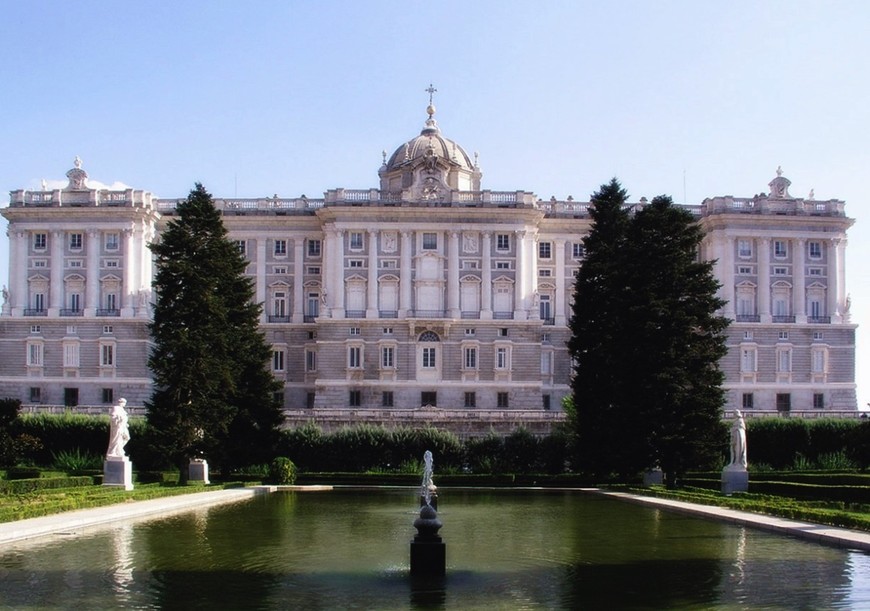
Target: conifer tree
x=213 y=391
x=680 y=339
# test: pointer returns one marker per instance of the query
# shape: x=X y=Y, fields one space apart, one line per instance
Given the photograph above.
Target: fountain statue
x=428 y=551
x=735 y=477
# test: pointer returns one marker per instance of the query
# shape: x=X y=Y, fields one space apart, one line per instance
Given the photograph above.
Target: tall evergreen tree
x=213 y=390
x=674 y=380
x=599 y=416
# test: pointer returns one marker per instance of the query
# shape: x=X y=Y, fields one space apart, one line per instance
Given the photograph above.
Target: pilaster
x=372 y=282
x=298 y=279
x=453 y=275
x=92 y=273
x=799 y=291
x=559 y=313
x=764 y=280
x=405 y=275
x=486 y=277
x=55 y=299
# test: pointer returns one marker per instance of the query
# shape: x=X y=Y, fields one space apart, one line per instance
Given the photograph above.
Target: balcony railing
x=427 y=313
x=472 y=315
x=388 y=313
x=109 y=312
x=549 y=321
x=355 y=313
x=309 y=318
x=279 y=319
x=786 y=319
x=747 y=318
x=71 y=312
x=826 y=320
x=35 y=312
x=503 y=315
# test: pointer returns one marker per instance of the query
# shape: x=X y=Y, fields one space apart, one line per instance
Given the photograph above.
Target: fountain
x=428 y=551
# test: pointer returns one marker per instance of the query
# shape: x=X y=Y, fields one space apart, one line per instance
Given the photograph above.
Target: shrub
x=484 y=454
x=520 y=451
x=75 y=460
x=282 y=471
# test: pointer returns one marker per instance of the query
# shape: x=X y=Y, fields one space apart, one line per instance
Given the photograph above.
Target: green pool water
x=349 y=549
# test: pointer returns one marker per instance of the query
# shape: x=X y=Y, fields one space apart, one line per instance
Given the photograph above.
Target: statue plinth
x=118 y=472
x=197 y=471
x=735 y=478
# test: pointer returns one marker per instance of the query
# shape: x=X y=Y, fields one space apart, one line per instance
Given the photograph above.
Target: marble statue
x=119 y=431
x=738 y=441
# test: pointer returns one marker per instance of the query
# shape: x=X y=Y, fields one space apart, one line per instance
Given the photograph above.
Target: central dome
x=430 y=139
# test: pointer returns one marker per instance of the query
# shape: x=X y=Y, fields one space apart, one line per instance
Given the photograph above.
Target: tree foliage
x=213 y=390
x=646 y=341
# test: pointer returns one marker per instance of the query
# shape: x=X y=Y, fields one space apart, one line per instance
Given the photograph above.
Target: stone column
x=55 y=290
x=405 y=276
x=559 y=306
x=841 y=280
x=18 y=270
x=764 y=280
x=486 y=277
x=338 y=274
x=520 y=312
x=799 y=291
x=372 y=282
x=834 y=280
x=727 y=277
x=260 y=283
x=129 y=274
x=298 y=279
x=453 y=275
x=92 y=274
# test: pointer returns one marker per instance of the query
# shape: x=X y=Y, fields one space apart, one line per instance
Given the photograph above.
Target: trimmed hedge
x=778 y=441
x=24 y=486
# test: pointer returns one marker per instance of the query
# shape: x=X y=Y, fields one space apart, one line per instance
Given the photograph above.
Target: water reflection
x=505 y=549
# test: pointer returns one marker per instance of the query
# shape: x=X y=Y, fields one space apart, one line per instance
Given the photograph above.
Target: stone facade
x=426 y=291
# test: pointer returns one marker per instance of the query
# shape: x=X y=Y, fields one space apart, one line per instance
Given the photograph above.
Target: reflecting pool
x=349 y=548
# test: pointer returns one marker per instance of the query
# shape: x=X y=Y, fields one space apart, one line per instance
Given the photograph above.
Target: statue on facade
x=738 y=442
x=119 y=431
x=5 y=294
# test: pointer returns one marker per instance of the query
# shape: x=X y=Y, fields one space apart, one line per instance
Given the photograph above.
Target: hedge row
x=23 y=486
x=778 y=441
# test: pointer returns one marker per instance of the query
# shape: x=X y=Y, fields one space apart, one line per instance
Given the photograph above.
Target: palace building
x=427 y=290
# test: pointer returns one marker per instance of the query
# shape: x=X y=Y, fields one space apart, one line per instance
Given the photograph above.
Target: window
x=75 y=241
x=280 y=248
x=815 y=250
x=470 y=399
x=111 y=263
x=815 y=271
x=748 y=360
x=34 y=355
x=75 y=263
x=35 y=328
x=39 y=302
x=38 y=263
x=744 y=248
x=39 y=241
x=818 y=401
x=545 y=250
x=578 y=251
x=279 y=270
x=71 y=330
x=429 y=397
x=314 y=270
x=745 y=270
x=356 y=263
x=747 y=335
x=108 y=329
x=502 y=264
x=107 y=355
x=501 y=400
x=502 y=241
x=470 y=265
x=815 y=309
x=310 y=360
x=503 y=332
x=469 y=331
x=108 y=395
x=35 y=394
x=469 y=360
x=388 y=330
x=780 y=271
x=387 y=398
x=780 y=249
x=388 y=263
x=783 y=335
x=783 y=360
x=748 y=400
x=388 y=357
x=75 y=302
x=111 y=302
x=71 y=354
x=545 y=273
x=309 y=400
x=819 y=360
x=312 y=335
x=354 y=398
x=783 y=402
x=545 y=401
x=70 y=397
x=356 y=240
x=545 y=338
x=112 y=241
x=354 y=357
x=817 y=335
x=277 y=360
x=501 y=358
x=313 y=248
x=354 y=330
x=428 y=358
x=430 y=241
x=279 y=304
x=242 y=245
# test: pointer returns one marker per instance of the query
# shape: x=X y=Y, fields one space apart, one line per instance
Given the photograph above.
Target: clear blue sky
x=258 y=98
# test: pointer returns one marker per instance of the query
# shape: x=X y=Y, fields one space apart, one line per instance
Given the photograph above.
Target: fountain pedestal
x=428 y=551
